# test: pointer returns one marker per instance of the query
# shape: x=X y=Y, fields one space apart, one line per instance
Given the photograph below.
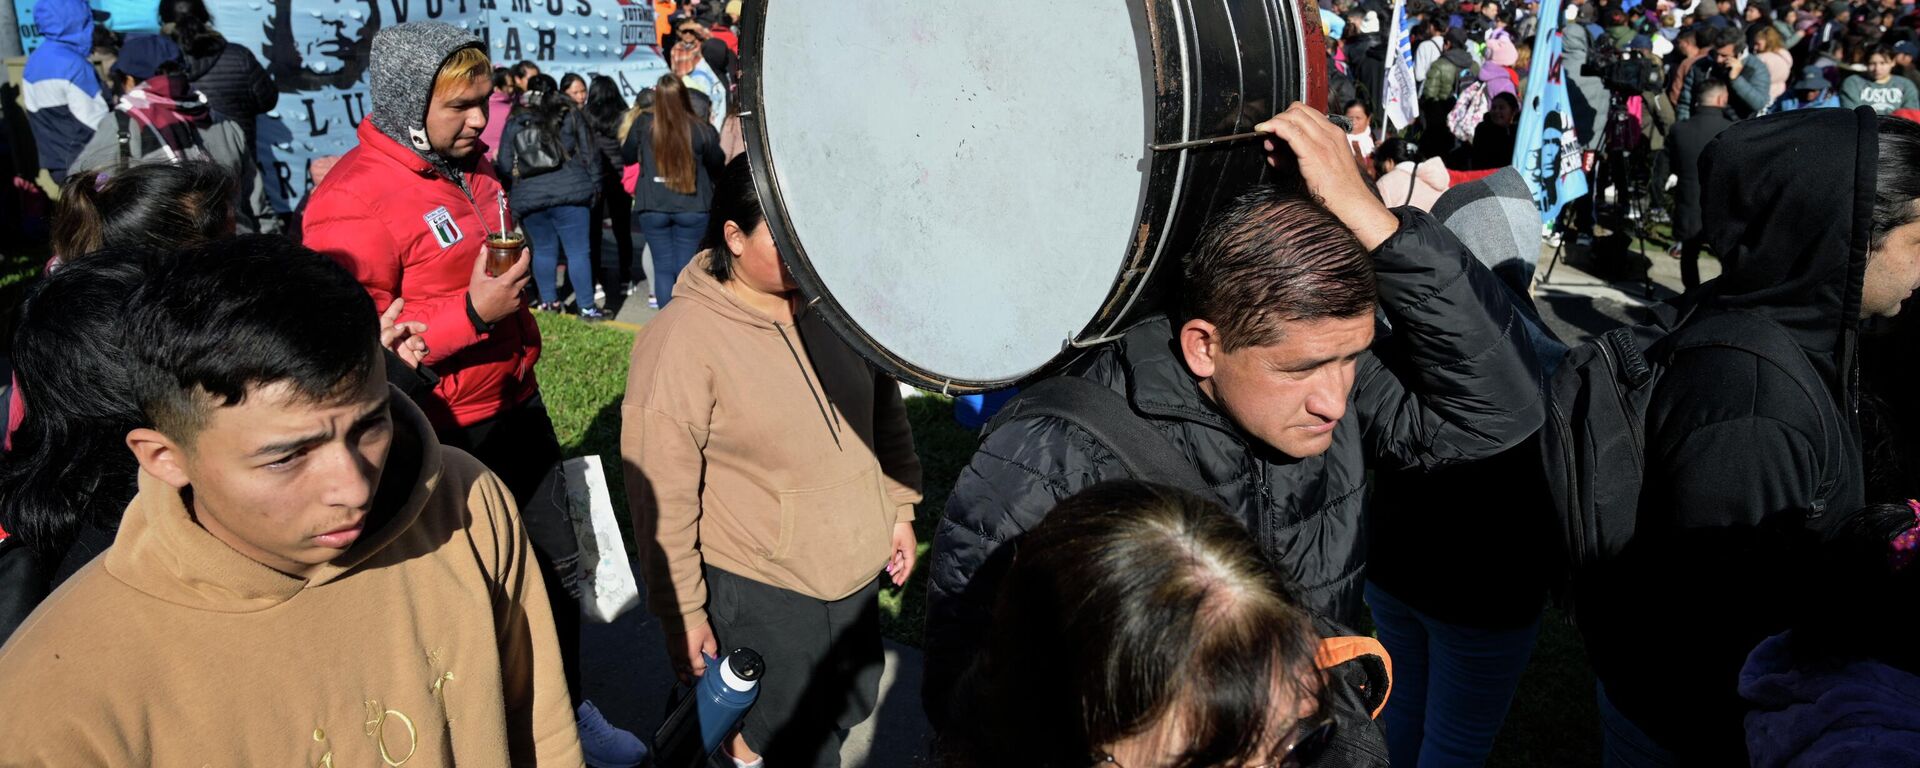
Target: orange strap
x=1335 y=651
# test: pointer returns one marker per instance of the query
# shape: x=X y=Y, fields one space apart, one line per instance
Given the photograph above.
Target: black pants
x=617 y=205
x=823 y=664
x=519 y=446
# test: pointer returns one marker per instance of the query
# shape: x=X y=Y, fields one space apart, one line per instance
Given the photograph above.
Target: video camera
x=1625 y=71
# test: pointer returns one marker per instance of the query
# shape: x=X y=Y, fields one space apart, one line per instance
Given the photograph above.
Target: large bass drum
x=968 y=190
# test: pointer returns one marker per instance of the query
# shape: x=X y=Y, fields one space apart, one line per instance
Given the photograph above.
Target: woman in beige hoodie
x=772 y=479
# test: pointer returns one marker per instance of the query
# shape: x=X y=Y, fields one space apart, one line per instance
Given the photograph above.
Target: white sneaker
x=604 y=745
x=599 y=294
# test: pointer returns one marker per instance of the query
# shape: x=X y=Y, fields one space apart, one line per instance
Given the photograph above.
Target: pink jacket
x=499 y=105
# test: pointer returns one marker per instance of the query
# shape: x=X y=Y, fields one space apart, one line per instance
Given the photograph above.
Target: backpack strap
x=123 y=121
x=1105 y=414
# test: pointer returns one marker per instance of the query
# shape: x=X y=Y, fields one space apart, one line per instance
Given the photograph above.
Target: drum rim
x=1153 y=221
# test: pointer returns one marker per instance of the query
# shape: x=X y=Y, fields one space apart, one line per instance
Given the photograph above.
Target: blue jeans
x=1452 y=684
x=1623 y=744
x=674 y=238
x=548 y=232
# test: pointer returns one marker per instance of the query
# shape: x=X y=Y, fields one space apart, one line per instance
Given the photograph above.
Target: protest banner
x=1547 y=150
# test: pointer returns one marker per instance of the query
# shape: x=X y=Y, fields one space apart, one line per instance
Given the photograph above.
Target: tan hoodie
x=428 y=643
x=771 y=451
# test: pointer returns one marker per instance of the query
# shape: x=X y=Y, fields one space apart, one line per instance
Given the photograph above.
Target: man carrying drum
x=1268 y=382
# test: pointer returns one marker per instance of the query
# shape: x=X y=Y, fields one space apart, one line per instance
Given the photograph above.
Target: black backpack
x=1358 y=669
x=1594 y=441
x=538 y=150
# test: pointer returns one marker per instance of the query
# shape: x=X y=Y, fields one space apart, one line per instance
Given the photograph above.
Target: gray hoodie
x=405 y=60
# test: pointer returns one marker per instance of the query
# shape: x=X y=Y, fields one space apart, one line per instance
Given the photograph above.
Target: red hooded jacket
x=406 y=230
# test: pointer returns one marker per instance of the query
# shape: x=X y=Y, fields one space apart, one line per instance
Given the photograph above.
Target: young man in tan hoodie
x=305 y=576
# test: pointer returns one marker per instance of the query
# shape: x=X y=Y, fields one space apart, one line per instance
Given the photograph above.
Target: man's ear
x=159 y=455
x=1200 y=346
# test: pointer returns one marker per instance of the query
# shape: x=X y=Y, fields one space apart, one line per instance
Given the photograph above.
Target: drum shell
x=1215 y=69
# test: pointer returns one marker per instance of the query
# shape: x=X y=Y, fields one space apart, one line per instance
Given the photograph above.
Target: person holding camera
x=1747 y=77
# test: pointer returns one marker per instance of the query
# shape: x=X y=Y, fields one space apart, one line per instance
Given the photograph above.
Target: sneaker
x=604 y=745
x=653 y=302
x=547 y=306
x=599 y=293
x=593 y=314
x=633 y=286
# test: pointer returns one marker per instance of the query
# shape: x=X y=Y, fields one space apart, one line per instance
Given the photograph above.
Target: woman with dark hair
x=575 y=87
x=157 y=205
x=605 y=111
x=68 y=474
x=772 y=477
x=227 y=73
x=679 y=154
x=500 y=104
x=551 y=169
x=1140 y=625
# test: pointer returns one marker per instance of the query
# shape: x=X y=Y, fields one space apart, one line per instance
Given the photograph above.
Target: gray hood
x=405 y=60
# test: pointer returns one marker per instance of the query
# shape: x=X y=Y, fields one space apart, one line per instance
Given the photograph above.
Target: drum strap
x=1105 y=414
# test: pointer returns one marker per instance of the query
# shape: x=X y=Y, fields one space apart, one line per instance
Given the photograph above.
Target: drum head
x=959 y=182
x=967 y=191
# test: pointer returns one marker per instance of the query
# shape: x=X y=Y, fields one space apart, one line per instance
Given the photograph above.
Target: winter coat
x=409 y=223
x=1743 y=463
x=1455 y=384
x=1689 y=141
x=59 y=88
x=234 y=84
x=575 y=182
x=499 y=107
x=650 y=193
x=1414 y=184
x=1489 y=569
x=1859 y=713
x=224 y=140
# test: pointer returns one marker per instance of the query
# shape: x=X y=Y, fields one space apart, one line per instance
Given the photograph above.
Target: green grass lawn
x=583 y=376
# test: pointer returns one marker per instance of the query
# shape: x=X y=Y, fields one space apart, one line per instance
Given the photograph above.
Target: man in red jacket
x=408 y=212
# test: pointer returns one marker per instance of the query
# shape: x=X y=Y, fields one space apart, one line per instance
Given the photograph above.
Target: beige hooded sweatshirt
x=428 y=643
x=770 y=451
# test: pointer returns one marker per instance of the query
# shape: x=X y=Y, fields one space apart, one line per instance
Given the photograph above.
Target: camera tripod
x=1613 y=165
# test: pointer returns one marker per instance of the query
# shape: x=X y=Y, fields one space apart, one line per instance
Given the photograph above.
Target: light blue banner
x=1547 y=151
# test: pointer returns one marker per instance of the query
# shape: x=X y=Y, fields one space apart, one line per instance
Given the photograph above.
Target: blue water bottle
x=703 y=720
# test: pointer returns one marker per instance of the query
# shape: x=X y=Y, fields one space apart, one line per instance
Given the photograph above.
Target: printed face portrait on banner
x=323 y=44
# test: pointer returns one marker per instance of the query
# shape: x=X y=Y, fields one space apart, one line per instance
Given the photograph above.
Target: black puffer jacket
x=1470 y=392
x=1741 y=459
x=235 y=84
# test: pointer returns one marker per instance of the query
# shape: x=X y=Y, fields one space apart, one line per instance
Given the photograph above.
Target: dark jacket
x=650 y=193
x=1688 y=141
x=1743 y=465
x=234 y=84
x=1860 y=713
x=1468 y=391
x=574 y=183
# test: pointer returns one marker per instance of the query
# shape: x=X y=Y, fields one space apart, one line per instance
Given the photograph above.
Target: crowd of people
x=289 y=489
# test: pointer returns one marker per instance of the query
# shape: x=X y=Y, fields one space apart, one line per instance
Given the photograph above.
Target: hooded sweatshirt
x=767 y=450
x=62 y=91
x=1744 y=465
x=428 y=642
x=410 y=224
x=1859 y=713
